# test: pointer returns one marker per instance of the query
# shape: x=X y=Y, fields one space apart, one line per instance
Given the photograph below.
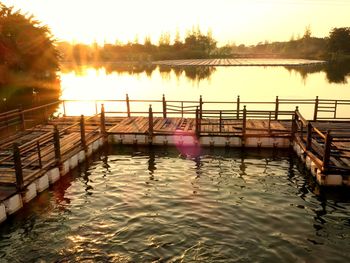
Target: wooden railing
x=320 y=145
x=19 y=120
x=37 y=156
x=224 y=118
x=319 y=109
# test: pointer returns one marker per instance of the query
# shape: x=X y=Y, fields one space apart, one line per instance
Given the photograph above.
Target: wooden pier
x=39 y=148
x=239 y=62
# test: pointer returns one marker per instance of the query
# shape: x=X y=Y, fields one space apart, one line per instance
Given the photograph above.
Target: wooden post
x=244 y=121
x=327 y=152
x=103 y=121
x=335 y=109
x=82 y=132
x=127 y=105
x=198 y=127
x=238 y=106
x=39 y=154
x=276 y=108
x=164 y=107
x=309 y=136
x=200 y=107
x=269 y=129
x=56 y=140
x=182 y=109
x=150 y=121
x=64 y=109
x=18 y=167
x=316 y=108
x=294 y=122
x=220 y=122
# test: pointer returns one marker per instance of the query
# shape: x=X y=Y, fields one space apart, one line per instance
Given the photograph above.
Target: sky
x=231 y=21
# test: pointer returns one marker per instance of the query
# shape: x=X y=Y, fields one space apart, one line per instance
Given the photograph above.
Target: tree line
x=29 y=60
x=197 y=45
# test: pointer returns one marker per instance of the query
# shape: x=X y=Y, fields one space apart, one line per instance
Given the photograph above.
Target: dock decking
x=34 y=156
x=238 y=62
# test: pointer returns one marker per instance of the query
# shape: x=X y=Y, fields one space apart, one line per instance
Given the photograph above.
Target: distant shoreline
x=236 y=62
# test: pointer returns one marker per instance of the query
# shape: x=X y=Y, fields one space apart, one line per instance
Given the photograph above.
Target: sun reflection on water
x=90 y=84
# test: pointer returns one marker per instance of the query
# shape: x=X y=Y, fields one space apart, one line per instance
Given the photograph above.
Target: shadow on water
x=24 y=97
x=194 y=73
x=336 y=72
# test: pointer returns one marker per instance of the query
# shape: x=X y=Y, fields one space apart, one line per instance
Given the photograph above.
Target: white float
x=128 y=139
x=334 y=179
x=101 y=142
x=54 y=175
x=313 y=169
x=295 y=146
x=89 y=150
x=117 y=138
x=73 y=161
x=252 y=142
x=158 y=140
x=320 y=177
x=308 y=162
x=3 y=215
x=170 y=139
x=42 y=183
x=95 y=146
x=220 y=141
x=65 y=168
x=81 y=156
x=234 y=142
x=205 y=141
x=282 y=142
x=30 y=193
x=13 y=204
x=110 y=139
x=188 y=140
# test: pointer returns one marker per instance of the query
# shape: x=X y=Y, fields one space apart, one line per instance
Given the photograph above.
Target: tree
x=26 y=46
x=307 y=32
x=339 y=40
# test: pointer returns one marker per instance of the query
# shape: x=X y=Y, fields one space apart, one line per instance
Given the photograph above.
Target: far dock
x=40 y=148
x=246 y=61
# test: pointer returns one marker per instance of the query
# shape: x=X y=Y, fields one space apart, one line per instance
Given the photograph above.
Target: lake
x=156 y=205
x=188 y=83
x=251 y=83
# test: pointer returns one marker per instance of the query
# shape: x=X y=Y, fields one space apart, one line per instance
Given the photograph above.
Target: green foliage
x=26 y=47
x=198 y=45
x=339 y=40
x=195 y=45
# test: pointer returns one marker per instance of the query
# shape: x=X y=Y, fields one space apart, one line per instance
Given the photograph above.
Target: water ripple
x=151 y=205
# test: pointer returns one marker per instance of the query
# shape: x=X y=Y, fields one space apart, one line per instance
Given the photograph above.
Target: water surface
x=157 y=205
x=251 y=83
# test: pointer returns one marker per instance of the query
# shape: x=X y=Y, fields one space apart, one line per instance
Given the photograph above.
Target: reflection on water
x=193 y=73
x=145 y=82
x=16 y=97
x=154 y=205
x=336 y=72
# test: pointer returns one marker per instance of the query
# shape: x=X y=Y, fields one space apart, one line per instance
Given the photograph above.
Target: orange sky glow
x=231 y=21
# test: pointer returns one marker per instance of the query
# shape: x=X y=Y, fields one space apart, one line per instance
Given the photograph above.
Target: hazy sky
x=238 y=21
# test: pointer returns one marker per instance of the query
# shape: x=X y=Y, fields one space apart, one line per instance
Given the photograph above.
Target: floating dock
x=39 y=148
x=238 y=62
